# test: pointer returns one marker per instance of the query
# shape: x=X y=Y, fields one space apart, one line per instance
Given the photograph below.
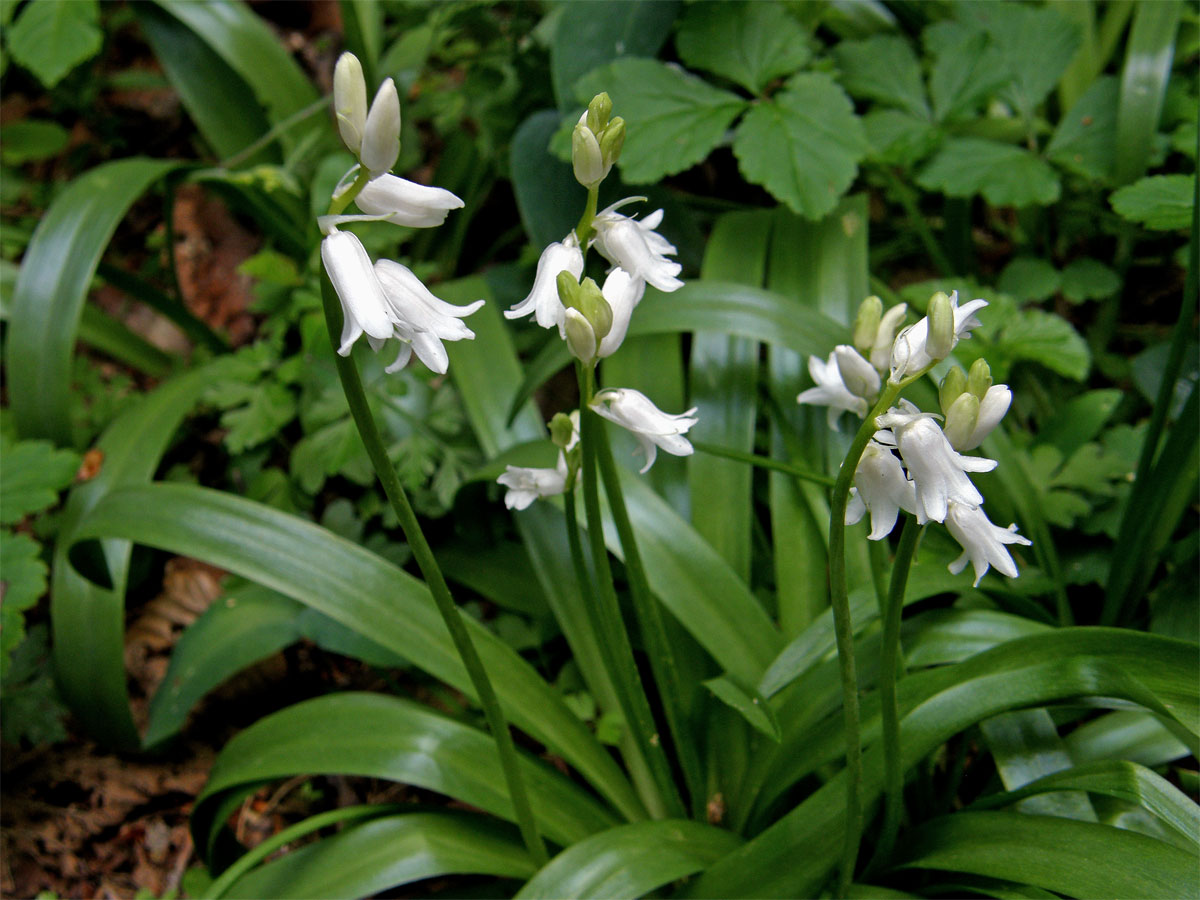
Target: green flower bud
x=951 y=387
x=611 y=142
x=598 y=112
x=568 y=288
x=961 y=419
x=940 y=340
x=590 y=301
x=866 y=324
x=586 y=157
x=980 y=378
x=562 y=430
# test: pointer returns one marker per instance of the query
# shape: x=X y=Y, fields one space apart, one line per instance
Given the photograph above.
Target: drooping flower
x=938 y=472
x=831 y=390
x=526 y=485
x=543 y=301
x=636 y=247
x=420 y=317
x=909 y=352
x=364 y=304
x=882 y=488
x=623 y=292
x=404 y=202
x=652 y=427
x=983 y=543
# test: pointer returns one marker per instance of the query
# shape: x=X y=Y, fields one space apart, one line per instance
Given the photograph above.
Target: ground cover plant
x=613 y=415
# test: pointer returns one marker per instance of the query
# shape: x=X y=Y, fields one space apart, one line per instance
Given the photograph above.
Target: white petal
x=622 y=292
x=405 y=202
x=991 y=410
x=652 y=427
x=350 y=101
x=363 y=301
x=543 y=300
x=381 y=135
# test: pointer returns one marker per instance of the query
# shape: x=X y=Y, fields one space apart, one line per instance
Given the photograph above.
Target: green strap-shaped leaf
x=358 y=589
x=1115 y=778
x=89 y=620
x=1078 y=859
x=631 y=860
x=1148 y=55
x=52 y=286
x=796 y=854
x=245 y=43
x=367 y=859
x=377 y=736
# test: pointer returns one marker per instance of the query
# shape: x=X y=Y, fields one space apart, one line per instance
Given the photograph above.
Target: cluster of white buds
x=912 y=463
x=594 y=319
x=384 y=300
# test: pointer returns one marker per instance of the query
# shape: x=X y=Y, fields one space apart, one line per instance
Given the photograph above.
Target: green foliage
x=1005 y=175
x=51 y=37
x=749 y=43
x=1159 y=202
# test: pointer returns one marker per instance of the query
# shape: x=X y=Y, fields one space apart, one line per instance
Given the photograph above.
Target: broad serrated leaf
x=1029 y=278
x=883 y=68
x=1045 y=338
x=899 y=138
x=1006 y=175
x=1035 y=44
x=1089 y=279
x=34 y=473
x=51 y=37
x=323 y=453
x=673 y=119
x=966 y=69
x=748 y=43
x=803 y=145
x=24 y=581
x=269 y=406
x=1159 y=202
x=1085 y=141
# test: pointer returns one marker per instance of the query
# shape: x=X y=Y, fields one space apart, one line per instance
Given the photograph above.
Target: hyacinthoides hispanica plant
x=386 y=301
x=927 y=480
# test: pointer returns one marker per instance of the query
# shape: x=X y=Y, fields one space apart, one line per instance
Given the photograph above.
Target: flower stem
x=844 y=634
x=497 y=723
x=338 y=204
x=890 y=670
x=583 y=231
x=610 y=625
x=763 y=462
x=663 y=661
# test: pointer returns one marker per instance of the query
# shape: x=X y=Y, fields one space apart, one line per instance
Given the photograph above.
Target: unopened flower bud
x=885 y=336
x=381 y=134
x=350 y=101
x=952 y=385
x=568 y=287
x=961 y=419
x=866 y=323
x=581 y=339
x=586 y=158
x=562 y=431
x=940 y=340
x=611 y=142
x=598 y=112
x=858 y=375
x=979 y=381
x=590 y=301
x=992 y=408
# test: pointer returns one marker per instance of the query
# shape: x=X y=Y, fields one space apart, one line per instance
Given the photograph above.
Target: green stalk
x=610 y=625
x=649 y=614
x=369 y=432
x=891 y=665
x=763 y=462
x=844 y=633
x=583 y=231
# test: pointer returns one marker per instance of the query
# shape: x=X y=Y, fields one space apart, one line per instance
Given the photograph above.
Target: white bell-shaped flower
x=623 y=292
x=404 y=202
x=831 y=390
x=880 y=486
x=652 y=427
x=909 y=354
x=937 y=470
x=992 y=408
x=858 y=375
x=543 y=301
x=526 y=484
x=364 y=304
x=636 y=247
x=983 y=543
x=420 y=317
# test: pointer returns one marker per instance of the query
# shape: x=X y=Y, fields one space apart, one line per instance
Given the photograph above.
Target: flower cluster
x=594 y=319
x=384 y=300
x=912 y=463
